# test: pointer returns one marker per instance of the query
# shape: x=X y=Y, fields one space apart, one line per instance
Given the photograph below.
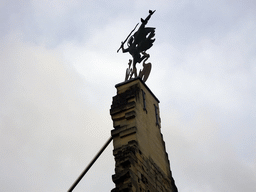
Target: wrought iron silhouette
x=137 y=45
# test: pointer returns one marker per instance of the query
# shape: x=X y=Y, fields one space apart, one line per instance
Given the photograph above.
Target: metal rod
x=90 y=164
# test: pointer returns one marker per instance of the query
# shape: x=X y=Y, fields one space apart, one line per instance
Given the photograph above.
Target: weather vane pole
x=137 y=45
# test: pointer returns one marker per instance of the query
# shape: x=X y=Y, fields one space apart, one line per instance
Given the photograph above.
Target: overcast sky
x=58 y=71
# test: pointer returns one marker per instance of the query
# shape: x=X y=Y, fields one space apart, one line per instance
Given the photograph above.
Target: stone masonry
x=142 y=164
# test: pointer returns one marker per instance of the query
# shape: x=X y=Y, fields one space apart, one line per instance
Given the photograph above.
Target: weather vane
x=137 y=45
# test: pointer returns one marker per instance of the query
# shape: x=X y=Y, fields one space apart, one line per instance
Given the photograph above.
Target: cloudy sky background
x=59 y=67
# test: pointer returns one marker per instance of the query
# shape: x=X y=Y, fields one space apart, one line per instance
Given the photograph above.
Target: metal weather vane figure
x=137 y=45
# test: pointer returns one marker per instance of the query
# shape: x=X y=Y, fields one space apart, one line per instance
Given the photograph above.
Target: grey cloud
x=44 y=122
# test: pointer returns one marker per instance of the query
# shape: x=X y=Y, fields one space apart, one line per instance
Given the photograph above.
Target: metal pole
x=90 y=164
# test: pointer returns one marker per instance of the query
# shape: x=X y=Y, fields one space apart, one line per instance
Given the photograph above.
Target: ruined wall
x=142 y=163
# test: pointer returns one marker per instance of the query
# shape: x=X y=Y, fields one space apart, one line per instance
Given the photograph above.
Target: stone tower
x=142 y=164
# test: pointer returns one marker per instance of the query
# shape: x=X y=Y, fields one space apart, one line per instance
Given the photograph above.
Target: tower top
x=142 y=163
x=133 y=80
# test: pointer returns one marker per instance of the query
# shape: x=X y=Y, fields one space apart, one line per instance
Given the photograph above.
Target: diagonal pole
x=122 y=43
x=90 y=164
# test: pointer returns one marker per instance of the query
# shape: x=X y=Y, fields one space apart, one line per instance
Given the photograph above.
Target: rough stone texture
x=142 y=163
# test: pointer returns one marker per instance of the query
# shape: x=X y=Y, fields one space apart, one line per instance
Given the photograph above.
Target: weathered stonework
x=142 y=163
